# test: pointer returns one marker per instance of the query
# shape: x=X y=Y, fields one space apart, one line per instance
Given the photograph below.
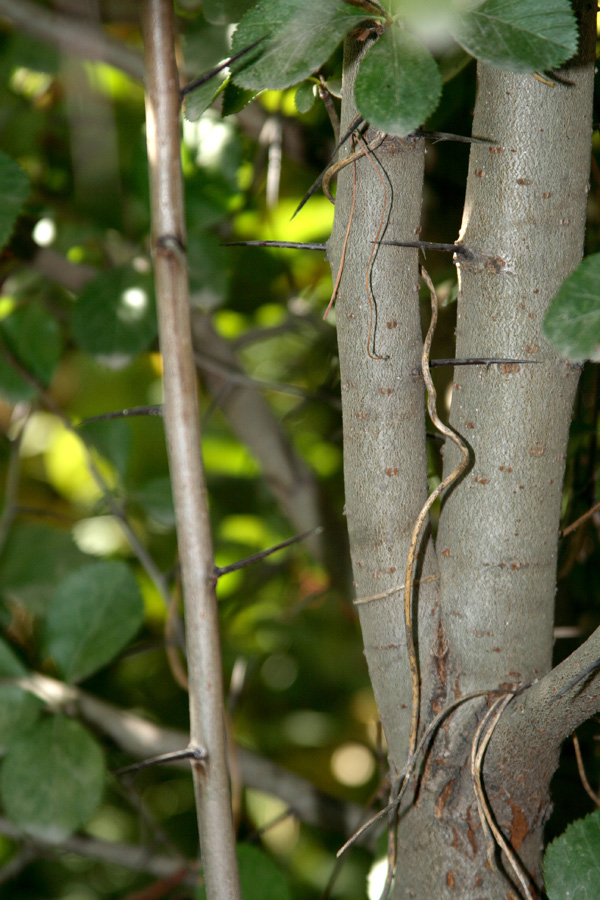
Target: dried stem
x=180 y=415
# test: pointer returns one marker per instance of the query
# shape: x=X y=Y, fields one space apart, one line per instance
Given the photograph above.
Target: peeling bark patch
x=519 y=828
x=440 y=803
x=441 y=651
x=471 y=831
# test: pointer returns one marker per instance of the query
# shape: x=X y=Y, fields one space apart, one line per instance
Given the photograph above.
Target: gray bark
x=488 y=625
x=385 y=464
x=497 y=542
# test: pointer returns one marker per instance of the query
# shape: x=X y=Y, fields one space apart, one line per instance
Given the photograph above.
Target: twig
x=124 y=414
x=256 y=557
x=340 y=271
x=202 y=79
x=355 y=124
x=196 y=753
x=285 y=245
x=491 y=830
x=395 y=590
x=581 y=769
x=420 y=522
x=127 y=855
x=325 y=95
x=368 y=148
x=333 y=170
x=182 y=427
x=574 y=525
x=403 y=779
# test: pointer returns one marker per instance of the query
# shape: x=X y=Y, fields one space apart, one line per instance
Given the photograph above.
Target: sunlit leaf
x=572 y=861
x=398 y=84
x=114 y=317
x=301 y=36
x=93 y=614
x=572 y=323
x=518 y=35
x=14 y=190
x=33 y=338
x=52 y=779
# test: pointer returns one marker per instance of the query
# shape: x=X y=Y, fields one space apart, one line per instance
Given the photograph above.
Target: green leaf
x=572 y=323
x=572 y=861
x=52 y=779
x=91 y=617
x=300 y=37
x=19 y=711
x=55 y=556
x=14 y=190
x=235 y=98
x=304 y=97
x=114 y=318
x=260 y=877
x=518 y=35
x=398 y=84
x=33 y=337
x=198 y=101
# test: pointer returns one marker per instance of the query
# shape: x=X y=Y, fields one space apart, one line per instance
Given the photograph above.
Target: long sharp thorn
x=354 y=125
x=202 y=79
x=285 y=245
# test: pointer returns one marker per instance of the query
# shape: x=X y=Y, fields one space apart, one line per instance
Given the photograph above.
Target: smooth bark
x=182 y=429
x=385 y=462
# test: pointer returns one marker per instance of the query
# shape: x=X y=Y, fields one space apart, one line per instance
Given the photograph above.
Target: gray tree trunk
x=487 y=622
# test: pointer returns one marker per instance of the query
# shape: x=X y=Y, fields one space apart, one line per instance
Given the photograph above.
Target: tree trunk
x=487 y=623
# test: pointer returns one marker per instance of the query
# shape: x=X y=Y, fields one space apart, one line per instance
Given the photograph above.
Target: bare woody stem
x=180 y=413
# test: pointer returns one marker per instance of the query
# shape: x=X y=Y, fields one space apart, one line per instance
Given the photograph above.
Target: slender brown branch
x=285 y=245
x=256 y=557
x=127 y=855
x=574 y=525
x=124 y=414
x=142 y=738
x=207 y=703
x=202 y=79
x=163 y=759
x=581 y=769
